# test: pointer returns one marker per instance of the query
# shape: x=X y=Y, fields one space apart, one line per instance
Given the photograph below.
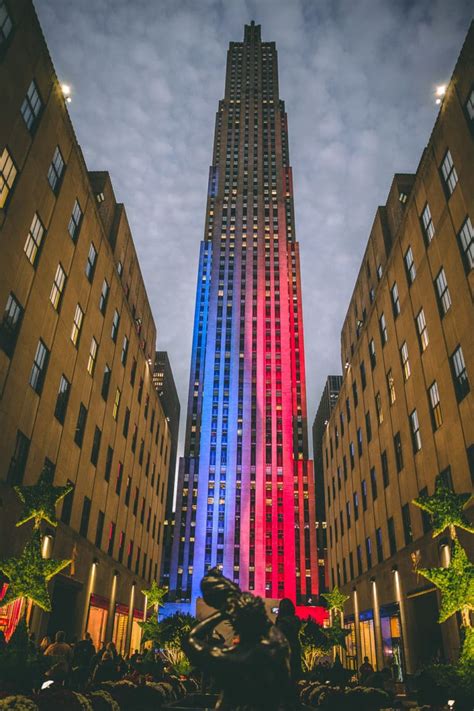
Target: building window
x=363 y=377
x=435 y=406
x=31 y=106
x=415 y=431
x=96 y=446
x=108 y=463
x=395 y=300
x=352 y=454
x=10 y=325
x=459 y=372
x=378 y=407
x=391 y=387
x=80 y=425
x=427 y=224
x=410 y=266
x=86 y=512
x=405 y=360
x=100 y=529
x=373 y=483
x=359 y=441
x=115 y=326
x=385 y=472
x=422 y=330
x=6 y=24
x=16 y=469
x=118 y=482
x=442 y=292
x=397 y=445
x=391 y=536
x=373 y=357
x=8 y=174
x=124 y=353
x=116 y=404
x=359 y=560
x=104 y=295
x=91 y=261
x=38 y=371
x=91 y=361
x=74 y=225
x=106 y=382
x=383 y=329
x=126 y=422
x=407 y=532
x=364 y=494
x=348 y=514
x=58 y=287
x=56 y=171
x=448 y=171
x=355 y=499
x=354 y=393
x=368 y=426
x=378 y=541
x=466 y=244
x=368 y=550
x=62 y=399
x=34 y=240
x=77 y=325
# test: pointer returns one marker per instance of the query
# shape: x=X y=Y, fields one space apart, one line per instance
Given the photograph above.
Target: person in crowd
x=366 y=669
x=112 y=649
x=106 y=669
x=84 y=651
x=62 y=655
x=288 y=623
x=44 y=644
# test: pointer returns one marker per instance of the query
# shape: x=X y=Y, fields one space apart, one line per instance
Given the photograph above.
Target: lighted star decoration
x=446 y=509
x=40 y=500
x=335 y=599
x=456 y=584
x=155 y=595
x=336 y=634
x=29 y=573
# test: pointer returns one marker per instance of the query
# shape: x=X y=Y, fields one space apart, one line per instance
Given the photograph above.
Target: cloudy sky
x=358 y=78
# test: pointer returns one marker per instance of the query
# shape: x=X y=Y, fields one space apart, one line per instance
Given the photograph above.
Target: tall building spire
x=245 y=499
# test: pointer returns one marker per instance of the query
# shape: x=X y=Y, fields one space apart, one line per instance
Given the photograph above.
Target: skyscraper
x=245 y=497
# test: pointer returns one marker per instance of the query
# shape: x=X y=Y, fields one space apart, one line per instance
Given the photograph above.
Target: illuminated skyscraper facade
x=245 y=498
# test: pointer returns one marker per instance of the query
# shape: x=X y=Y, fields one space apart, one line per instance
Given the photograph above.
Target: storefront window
x=9 y=614
x=120 y=627
x=367 y=637
x=350 y=654
x=97 y=619
x=392 y=646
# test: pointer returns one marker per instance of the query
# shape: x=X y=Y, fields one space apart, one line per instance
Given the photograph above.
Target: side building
x=166 y=388
x=77 y=343
x=405 y=413
x=323 y=413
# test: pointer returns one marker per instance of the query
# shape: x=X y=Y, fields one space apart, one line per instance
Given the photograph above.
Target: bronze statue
x=254 y=673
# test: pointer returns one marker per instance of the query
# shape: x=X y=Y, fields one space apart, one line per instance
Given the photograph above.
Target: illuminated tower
x=245 y=498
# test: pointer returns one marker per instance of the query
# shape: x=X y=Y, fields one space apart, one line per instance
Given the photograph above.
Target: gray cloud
x=357 y=78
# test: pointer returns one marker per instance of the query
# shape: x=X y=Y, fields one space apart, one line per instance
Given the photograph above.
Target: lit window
x=104 y=295
x=115 y=326
x=8 y=173
x=405 y=361
x=391 y=387
x=448 y=171
x=56 y=170
x=38 y=371
x=444 y=297
x=34 y=239
x=459 y=371
x=91 y=261
x=383 y=329
x=75 y=222
x=92 y=357
x=10 y=325
x=6 y=24
x=415 y=431
x=116 y=404
x=435 y=406
x=410 y=265
x=58 y=287
x=466 y=244
x=427 y=224
x=422 y=330
x=395 y=300
x=77 y=325
x=31 y=106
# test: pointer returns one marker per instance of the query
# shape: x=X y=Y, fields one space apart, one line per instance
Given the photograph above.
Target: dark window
x=448 y=174
x=121 y=547
x=354 y=393
x=86 y=512
x=140 y=390
x=91 y=262
x=368 y=550
x=96 y=446
x=38 y=370
x=363 y=377
x=104 y=297
x=56 y=171
x=124 y=353
x=32 y=104
x=466 y=244
x=427 y=224
x=130 y=555
x=128 y=490
x=118 y=483
x=10 y=325
x=81 y=425
x=373 y=483
x=348 y=514
x=442 y=293
x=126 y=422
x=75 y=221
x=67 y=506
x=397 y=445
x=108 y=463
x=372 y=354
x=106 y=382
x=352 y=454
x=110 y=546
x=100 y=529
x=395 y=300
x=385 y=472
x=446 y=478
x=6 y=24
x=133 y=372
x=406 y=524
x=383 y=329
x=356 y=505
x=359 y=560
x=391 y=536
x=364 y=494
x=368 y=426
x=135 y=501
x=16 y=469
x=459 y=373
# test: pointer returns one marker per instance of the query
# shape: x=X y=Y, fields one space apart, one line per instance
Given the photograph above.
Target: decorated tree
x=155 y=596
x=168 y=635
x=456 y=582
